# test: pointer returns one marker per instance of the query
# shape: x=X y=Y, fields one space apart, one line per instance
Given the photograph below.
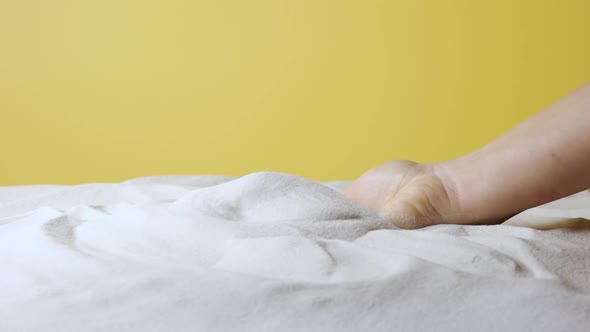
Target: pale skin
x=544 y=158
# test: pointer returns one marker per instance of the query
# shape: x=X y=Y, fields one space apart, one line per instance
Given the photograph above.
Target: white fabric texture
x=278 y=252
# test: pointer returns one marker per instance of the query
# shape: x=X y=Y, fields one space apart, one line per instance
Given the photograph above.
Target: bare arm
x=545 y=158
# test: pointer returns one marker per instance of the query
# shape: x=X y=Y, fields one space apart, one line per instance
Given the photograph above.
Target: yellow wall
x=112 y=89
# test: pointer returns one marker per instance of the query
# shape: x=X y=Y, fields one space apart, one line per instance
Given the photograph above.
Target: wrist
x=471 y=190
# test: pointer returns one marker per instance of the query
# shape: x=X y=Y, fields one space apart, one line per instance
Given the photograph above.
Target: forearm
x=544 y=158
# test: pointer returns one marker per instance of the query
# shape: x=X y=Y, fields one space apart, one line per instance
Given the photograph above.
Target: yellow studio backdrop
x=113 y=89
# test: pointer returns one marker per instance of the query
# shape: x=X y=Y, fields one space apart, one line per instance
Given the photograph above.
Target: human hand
x=409 y=194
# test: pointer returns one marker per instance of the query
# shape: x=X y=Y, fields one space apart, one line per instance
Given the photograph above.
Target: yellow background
x=113 y=89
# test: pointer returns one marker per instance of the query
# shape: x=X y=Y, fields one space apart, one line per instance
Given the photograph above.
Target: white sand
x=278 y=252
